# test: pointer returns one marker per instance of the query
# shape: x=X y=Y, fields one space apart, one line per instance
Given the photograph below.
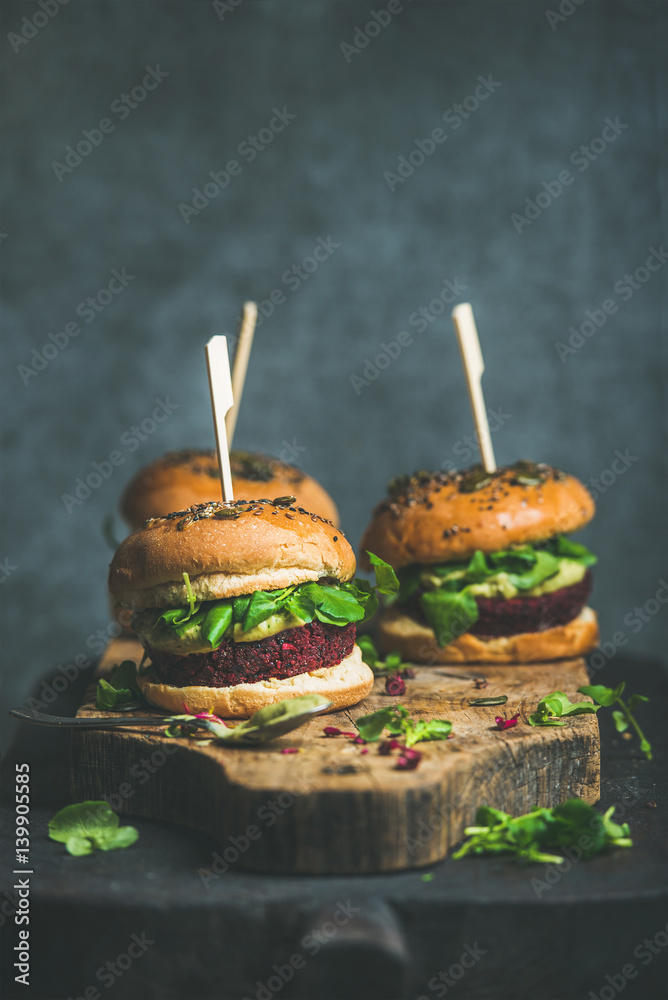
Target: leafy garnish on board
x=391 y=664
x=556 y=706
x=396 y=720
x=572 y=825
x=90 y=826
x=623 y=716
x=121 y=688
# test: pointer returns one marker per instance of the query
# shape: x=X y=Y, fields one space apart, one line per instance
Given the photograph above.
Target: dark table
x=145 y=923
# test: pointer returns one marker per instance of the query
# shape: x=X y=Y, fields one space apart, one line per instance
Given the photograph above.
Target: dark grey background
x=323 y=176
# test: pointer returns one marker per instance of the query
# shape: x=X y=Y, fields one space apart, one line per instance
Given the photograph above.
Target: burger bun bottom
x=345 y=684
x=416 y=642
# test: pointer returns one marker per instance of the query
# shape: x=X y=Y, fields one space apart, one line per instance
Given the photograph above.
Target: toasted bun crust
x=416 y=642
x=437 y=517
x=182 y=478
x=227 y=549
x=345 y=684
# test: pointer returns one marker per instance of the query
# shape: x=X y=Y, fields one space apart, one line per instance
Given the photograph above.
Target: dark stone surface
x=323 y=175
x=221 y=937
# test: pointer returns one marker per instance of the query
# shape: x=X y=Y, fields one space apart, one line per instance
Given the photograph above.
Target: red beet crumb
x=360 y=740
x=387 y=746
x=395 y=685
x=502 y=723
x=408 y=760
x=333 y=731
x=290 y=750
x=364 y=750
x=481 y=682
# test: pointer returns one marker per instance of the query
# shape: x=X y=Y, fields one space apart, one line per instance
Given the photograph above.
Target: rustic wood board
x=284 y=813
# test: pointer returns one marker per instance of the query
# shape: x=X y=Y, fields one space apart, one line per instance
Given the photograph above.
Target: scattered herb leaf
x=500 y=700
x=396 y=720
x=574 y=823
x=90 y=826
x=121 y=688
x=392 y=664
x=556 y=706
x=623 y=716
x=386 y=578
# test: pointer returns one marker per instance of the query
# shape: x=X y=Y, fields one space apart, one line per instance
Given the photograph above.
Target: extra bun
x=445 y=517
x=345 y=684
x=416 y=642
x=227 y=549
x=182 y=478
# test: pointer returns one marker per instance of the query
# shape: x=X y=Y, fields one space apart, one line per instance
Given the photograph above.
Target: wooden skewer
x=220 y=387
x=474 y=366
x=244 y=344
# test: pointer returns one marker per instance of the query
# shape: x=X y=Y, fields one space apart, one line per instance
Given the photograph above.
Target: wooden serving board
x=330 y=809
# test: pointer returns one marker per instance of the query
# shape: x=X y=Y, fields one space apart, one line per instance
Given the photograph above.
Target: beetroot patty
x=295 y=651
x=499 y=616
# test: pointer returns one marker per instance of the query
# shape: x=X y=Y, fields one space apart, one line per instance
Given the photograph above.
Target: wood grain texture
x=285 y=813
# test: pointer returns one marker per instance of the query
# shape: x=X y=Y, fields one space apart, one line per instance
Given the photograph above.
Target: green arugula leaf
x=368 y=649
x=121 y=688
x=179 y=616
x=545 y=566
x=262 y=605
x=392 y=663
x=486 y=816
x=600 y=694
x=370 y=727
x=239 y=608
x=621 y=722
x=555 y=706
x=298 y=603
x=396 y=720
x=334 y=605
x=216 y=623
x=623 y=716
x=536 y=719
x=425 y=730
x=386 y=578
x=566 y=548
x=88 y=826
x=449 y=614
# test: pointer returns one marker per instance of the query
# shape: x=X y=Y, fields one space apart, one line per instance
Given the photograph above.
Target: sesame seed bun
x=344 y=684
x=415 y=641
x=182 y=478
x=445 y=517
x=227 y=549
